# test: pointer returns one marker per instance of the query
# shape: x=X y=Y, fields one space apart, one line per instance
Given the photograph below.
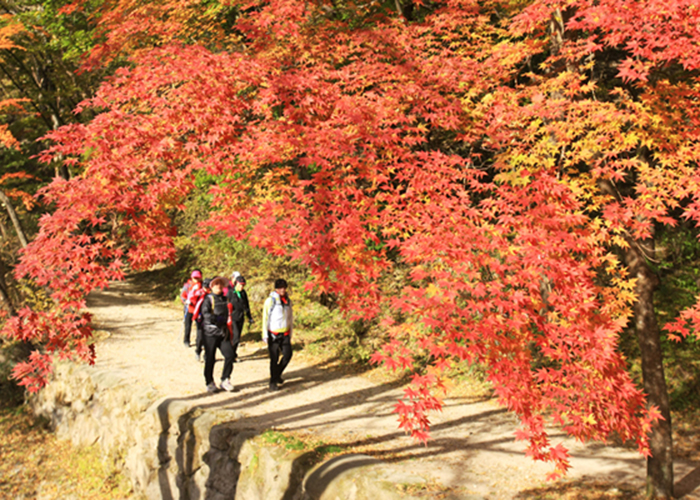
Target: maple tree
x=11 y=181
x=515 y=156
x=39 y=66
x=39 y=90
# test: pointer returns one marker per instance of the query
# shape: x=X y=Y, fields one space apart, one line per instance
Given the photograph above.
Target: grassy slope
x=37 y=464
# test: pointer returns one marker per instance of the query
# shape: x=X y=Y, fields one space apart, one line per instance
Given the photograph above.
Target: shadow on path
x=380 y=397
x=688 y=483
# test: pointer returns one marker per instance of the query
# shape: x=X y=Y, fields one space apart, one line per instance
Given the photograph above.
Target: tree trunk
x=61 y=168
x=4 y=289
x=15 y=220
x=3 y=229
x=660 y=464
x=4 y=294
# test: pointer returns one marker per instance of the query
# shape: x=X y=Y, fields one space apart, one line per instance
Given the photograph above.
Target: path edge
x=172 y=448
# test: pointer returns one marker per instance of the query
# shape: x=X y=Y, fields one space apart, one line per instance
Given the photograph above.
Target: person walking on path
x=277 y=326
x=215 y=314
x=231 y=282
x=184 y=292
x=198 y=320
x=190 y=300
x=240 y=308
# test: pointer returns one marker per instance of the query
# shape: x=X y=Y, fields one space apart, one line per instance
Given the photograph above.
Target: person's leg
x=210 y=344
x=235 y=350
x=188 y=328
x=236 y=338
x=274 y=349
x=286 y=348
x=199 y=344
x=227 y=350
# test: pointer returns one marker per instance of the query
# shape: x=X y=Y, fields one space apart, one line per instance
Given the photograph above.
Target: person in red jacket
x=198 y=318
x=193 y=292
x=184 y=292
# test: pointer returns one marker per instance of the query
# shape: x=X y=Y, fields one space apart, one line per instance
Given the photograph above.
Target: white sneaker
x=227 y=385
x=212 y=387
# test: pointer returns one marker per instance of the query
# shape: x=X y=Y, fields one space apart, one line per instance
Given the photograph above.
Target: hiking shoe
x=227 y=385
x=198 y=357
x=212 y=387
x=280 y=381
x=273 y=386
x=187 y=345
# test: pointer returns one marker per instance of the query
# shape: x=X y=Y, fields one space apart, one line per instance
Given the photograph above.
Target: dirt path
x=472 y=447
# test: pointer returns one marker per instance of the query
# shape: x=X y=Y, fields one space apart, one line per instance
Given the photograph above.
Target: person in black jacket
x=216 y=316
x=240 y=308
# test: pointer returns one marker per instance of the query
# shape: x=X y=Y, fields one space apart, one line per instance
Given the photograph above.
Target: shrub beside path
x=472 y=450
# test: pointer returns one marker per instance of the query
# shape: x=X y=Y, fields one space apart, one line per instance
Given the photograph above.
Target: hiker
x=199 y=320
x=189 y=296
x=231 y=282
x=216 y=335
x=277 y=331
x=239 y=308
x=184 y=292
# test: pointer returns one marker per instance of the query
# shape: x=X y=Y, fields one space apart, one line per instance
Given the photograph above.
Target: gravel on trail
x=472 y=447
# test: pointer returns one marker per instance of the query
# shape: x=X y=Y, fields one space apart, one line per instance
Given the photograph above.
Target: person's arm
x=247 y=307
x=198 y=309
x=192 y=295
x=229 y=319
x=265 y=319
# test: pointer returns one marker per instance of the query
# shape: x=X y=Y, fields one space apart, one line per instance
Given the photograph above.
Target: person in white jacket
x=277 y=325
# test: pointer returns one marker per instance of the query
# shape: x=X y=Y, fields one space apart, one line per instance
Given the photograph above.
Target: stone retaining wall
x=172 y=449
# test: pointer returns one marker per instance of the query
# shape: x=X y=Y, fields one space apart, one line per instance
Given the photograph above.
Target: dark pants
x=283 y=345
x=188 y=327
x=199 y=345
x=211 y=343
x=237 y=327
